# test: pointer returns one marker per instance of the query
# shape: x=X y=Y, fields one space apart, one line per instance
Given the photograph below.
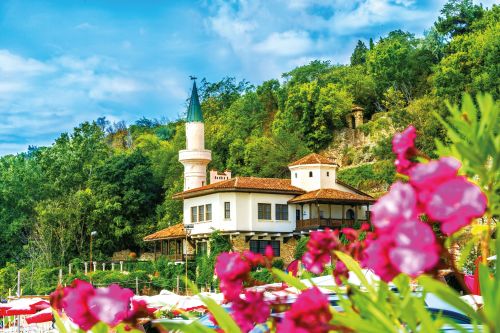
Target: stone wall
x=287 y=250
x=239 y=244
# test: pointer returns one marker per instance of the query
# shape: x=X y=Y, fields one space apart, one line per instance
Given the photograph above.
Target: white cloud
x=40 y=99
x=288 y=43
x=11 y=63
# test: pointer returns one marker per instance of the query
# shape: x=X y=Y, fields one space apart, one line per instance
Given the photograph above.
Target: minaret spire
x=195 y=157
x=194 y=109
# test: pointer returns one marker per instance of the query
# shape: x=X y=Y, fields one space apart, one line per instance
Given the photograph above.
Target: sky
x=69 y=61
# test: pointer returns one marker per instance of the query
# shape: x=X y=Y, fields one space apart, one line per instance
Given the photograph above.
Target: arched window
x=328 y=173
x=310 y=173
x=349 y=214
x=295 y=175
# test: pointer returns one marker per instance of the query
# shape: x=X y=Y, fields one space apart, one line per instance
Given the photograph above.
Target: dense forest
x=118 y=179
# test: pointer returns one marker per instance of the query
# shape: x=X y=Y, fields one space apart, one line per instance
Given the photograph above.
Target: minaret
x=195 y=157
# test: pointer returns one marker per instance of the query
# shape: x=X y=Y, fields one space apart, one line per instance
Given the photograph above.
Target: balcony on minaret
x=218 y=176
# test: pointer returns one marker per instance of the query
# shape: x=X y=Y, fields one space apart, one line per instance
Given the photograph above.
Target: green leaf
x=221 y=315
x=354 y=267
x=448 y=295
x=288 y=279
x=464 y=255
x=59 y=324
x=100 y=327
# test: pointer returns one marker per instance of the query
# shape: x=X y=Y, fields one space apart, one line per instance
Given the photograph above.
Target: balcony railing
x=316 y=223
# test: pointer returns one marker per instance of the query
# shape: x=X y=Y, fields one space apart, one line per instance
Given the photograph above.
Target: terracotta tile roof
x=329 y=194
x=313 y=159
x=174 y=231
x=250 y=184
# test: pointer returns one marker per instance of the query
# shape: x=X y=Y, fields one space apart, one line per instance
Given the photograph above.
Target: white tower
x=195 y=157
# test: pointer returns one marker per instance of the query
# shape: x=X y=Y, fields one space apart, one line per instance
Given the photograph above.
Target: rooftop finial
x=192 y=77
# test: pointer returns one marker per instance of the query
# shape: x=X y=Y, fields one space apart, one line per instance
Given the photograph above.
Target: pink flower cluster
x=233 y=270
x=319 y=248
x=250 y=309
x=441 y=193
x=404 y=243
x=322 y=243
x=309 y=314
x=86 y=306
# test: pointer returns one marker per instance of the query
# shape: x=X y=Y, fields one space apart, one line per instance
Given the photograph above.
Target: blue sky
x=69 y=61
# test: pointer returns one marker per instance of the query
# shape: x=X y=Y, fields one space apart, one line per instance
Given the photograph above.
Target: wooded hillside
x=119 y=179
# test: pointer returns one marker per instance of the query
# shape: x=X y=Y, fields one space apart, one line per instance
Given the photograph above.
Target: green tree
x=471 y=64
x=457 y=17
x=358 y=56
x=126 y=194
x=397 y=61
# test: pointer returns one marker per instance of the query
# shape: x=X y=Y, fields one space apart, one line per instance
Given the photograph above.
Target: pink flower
x=111 y=304
x=399 y=205
x=250 y=311
x=415 y=250
x=403 y=145
x=376 y=257
x=255 y=259
x=309 y=314
x=426 y=177
x=75 y=304
x=269 y=253
x=340 y=271
x=138 y=310
x=410 y=248
x=232 y=270
x=403 y=243
x=319 y=248
x=455 y=203
x=446 y=197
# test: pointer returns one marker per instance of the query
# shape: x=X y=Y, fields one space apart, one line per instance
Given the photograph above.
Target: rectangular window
x=259 y=246
x=264 y=211
x=281 y=212
x=201 y=213
x=194 y=215
x=208 y=209
x=227 y=210
x=201 y=248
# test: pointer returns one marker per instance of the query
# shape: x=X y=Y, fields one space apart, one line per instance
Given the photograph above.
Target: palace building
x=255 y=212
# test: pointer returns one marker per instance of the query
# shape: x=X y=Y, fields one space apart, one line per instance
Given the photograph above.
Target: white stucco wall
x=195 y=157
x=244 y=212
x=323 y=176
x=195 y=136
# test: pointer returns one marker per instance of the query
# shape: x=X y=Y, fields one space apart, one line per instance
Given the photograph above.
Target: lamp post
x=188 y=228
x=92 y=234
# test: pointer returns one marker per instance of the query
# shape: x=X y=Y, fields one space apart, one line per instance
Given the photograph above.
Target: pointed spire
x=194 y=110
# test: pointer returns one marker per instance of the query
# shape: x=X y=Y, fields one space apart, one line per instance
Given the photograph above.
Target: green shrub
x=301 y=247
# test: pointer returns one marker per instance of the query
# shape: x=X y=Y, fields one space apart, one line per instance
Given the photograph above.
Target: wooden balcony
x=317 y=223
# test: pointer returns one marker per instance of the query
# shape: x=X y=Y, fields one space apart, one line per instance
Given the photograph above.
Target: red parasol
x=40 y=317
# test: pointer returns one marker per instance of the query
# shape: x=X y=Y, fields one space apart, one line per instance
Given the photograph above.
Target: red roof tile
x=313 y=159
x=174 y=231
x=250 y=184
x=329 y=194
